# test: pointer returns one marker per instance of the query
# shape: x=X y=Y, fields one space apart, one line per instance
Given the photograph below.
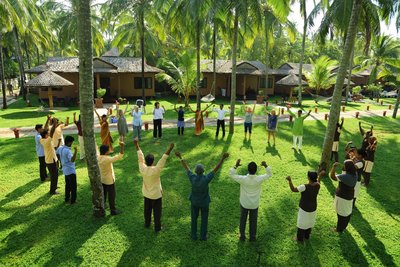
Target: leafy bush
x=357 y=90
x=101 y=92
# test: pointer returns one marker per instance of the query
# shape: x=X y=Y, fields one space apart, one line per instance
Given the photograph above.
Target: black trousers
x=180 y=130
x=52 y=167
x=155 y=206
x=109 y=190
x=195 y=211
x=342 y=222
x=335 y=155
x=303 y=234
x=220 y=123
x=70 y=188
x=367 y=178
x=157 y=128
x=253 y=214
x=42 y=168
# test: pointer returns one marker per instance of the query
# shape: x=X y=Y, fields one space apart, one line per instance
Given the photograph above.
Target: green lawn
x=37 y=230
x=19 y=115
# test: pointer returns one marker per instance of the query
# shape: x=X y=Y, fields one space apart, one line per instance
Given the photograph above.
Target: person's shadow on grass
x=301 y=157
x=247 y=144
x=272 y=150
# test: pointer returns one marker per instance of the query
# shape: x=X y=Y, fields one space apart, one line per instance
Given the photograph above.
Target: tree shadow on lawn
x=18 y=152
x=20 y=192
x=374 y=245
x=26 y=115
x=52 y=223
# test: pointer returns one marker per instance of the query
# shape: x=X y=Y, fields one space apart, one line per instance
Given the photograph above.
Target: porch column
x=97 y=80
x=50 y=95
x=244 y=85
x=119 y=86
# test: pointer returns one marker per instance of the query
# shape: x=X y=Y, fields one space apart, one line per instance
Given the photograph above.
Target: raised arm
x=219 y=164
x=53 y=129
x=171 y=146
x=290 y=112
x=294 y=189
x=321 y=174
x=341 y=123
x=136 y=142
x=126 y=108
x=362 y=132
x=66 y=122
x=74 y=117
x=333 y=171
x=308 y=114
x=254 y=106
x=74 y=155
x=46 y=125
x=184 y=164
x=207 y=107
x=265 y=108
x=164 y=109
x=98 y=116
x=175 y=108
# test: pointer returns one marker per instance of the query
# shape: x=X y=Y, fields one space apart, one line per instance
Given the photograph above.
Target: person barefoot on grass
x=272 y=123
x=221 y=119
x=158 y=115
x=357 y=156
x=151 y=189
x=250 y=191
x=199 y=120
x=308 y=204
x=369 y=159
x=181 y=119
x=344 y=193
x=107 y=175
x=248 y=120
x=137 y=122
x=122 y=126
x=40 y=151
x=335 y=145
x=105 y=134
x=298 y=127
x=68 y=167
x=365 y=135
x=200 y=197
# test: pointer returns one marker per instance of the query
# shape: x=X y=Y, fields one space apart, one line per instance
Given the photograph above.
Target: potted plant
x=99 y=99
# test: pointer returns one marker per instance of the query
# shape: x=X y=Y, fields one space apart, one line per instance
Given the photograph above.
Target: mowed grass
x=19 y=115
x=39 y=230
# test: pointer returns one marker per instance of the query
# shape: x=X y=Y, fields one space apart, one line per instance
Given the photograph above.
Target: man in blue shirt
x=68 y=167
x=200 y=196
x=40 y=153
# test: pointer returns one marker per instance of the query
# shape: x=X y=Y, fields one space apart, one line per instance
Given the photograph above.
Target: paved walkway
x=189 y=122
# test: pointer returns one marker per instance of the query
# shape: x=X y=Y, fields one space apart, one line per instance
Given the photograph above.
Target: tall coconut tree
x=2 y=76
x=303 y=11
x=337 y=93
x=84 y=35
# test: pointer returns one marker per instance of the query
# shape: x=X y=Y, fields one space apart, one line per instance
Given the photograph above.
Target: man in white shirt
x=220 y=119
x=250 y=190
x=158 y=115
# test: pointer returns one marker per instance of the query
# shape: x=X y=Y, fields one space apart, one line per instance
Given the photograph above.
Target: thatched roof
x=291 y=80
x=48 y=79
x=113 y=52
x=242 y=67
x=104 y=64
x=294 y=68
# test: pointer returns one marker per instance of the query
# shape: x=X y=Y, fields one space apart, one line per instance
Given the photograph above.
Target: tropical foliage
x=321 y=76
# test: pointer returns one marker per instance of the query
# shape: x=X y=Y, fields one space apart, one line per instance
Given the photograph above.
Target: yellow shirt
x=58 y=134
x=106 y=168
x=151 y=176
x=49 y=152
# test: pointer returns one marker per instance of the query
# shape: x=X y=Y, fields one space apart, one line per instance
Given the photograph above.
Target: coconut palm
x=390 y=72
x=337 y=93
x=183 y=74
x=321 y=77
x=84 y=36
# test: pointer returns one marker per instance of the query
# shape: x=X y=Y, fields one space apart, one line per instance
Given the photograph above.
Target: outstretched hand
x=238 y=163
x=288 y=178
x=335 y=164
x=264 y=164
x=225 y=155
x=178 y=154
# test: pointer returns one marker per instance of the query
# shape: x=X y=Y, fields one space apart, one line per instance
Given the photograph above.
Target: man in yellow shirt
x=107 y=174
x=50 y=157
x=151 y=189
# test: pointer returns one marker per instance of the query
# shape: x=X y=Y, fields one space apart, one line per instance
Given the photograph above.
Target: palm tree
x=84 y=35
x=2 y=76
x=337 y=93
x=390 y=72
x=321 y=78
x=303 y=11
x=183 y=74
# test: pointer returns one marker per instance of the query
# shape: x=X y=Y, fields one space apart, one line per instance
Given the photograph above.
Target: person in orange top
x=199 y=120
x=105 y=134
x=107 y=174
x=50 y=156
x=151 y=189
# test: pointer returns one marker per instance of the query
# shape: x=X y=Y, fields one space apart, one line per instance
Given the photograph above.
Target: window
x=270 y=82
x=148 y=82
x=203 y=83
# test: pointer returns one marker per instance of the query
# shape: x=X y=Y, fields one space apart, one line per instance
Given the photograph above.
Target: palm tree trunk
x=214 y=52
x=198 y=65
x=28 y=59
x=303 y=46
x=337 y=93
x=233 y=77
x=349 y=77
x=86 y=104
x=142 y=52
x=368 y=36
x=266 y=54
x=2 y=77
x=396 y=106
x=20 y=63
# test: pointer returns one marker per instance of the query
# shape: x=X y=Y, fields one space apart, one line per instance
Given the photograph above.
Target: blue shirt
x=68 y=166
x=200 y=196
x=39 y=146
x=272 y=121
x=137 y=118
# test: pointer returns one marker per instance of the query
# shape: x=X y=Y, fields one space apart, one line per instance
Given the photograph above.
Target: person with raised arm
x=107 y=174
x=248 y=120
x=250 y=191
x=68 y=166
x=308 y=204
x=272 y=123
x=369 y=159
x=105 y=134
x=335 y=145
x=199 y=196
x=181 y=119
x=199 y=120
x=220 y=119
x=298 y=126
x=40 y=150
x=122 y=125
x=158 y=115
x=137 y=122
x=78 y=124
x=151 y=189
x=366 y=135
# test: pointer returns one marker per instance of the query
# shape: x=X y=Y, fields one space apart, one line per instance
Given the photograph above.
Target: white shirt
x=221 y=113
x=158 y=113
x=250 y=187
